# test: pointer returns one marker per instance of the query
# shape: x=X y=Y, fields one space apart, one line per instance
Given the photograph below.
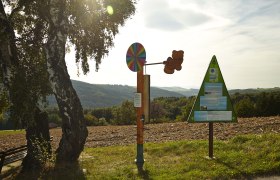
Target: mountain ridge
x=107 y=95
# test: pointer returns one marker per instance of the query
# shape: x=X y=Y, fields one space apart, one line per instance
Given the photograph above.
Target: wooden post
x=146 y=98
x=140 y=126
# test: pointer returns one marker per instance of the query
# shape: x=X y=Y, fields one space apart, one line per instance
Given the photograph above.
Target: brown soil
x=123 y=135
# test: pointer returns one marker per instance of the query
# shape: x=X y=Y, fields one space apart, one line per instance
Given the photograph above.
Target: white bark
x=74 y=131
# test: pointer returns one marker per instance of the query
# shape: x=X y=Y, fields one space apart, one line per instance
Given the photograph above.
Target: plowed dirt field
x=123 y=135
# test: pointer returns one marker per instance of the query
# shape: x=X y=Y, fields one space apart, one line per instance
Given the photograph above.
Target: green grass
x=240 y=157
x=11 y=132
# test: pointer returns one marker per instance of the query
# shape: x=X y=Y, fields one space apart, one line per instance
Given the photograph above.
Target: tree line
x=257 y=104
x=171 y=109
x=168 y=109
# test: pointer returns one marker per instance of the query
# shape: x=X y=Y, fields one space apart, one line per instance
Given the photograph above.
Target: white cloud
x=166 y=17
x=244 y=35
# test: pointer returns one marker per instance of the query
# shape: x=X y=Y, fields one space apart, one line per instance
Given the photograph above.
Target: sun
x=110 y=10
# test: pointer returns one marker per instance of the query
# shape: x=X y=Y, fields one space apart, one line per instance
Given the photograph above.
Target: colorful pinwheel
x=136 y=57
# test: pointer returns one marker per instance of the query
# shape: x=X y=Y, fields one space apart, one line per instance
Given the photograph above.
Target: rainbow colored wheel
x=136 y=57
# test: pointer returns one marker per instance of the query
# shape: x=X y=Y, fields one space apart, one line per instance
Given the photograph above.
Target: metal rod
x=153 y=63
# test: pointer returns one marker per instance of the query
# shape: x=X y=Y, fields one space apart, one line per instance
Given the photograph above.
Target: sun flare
x=110 y=10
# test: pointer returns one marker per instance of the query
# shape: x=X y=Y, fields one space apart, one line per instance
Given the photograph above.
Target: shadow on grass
x=142 y=172
x=58 y=171
x=240 y=172
x=274 y=174
x=66 y=171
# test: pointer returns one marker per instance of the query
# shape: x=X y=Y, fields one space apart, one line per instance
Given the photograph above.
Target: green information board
x=213 y=102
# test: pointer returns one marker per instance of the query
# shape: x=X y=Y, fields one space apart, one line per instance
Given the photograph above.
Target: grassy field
x=243 y=156
x=11 y=132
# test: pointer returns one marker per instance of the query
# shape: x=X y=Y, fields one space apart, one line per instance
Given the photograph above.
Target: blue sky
x=243 y=34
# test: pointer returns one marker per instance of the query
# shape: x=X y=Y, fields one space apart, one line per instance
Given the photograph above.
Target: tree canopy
x=90 y=28
x=42 y=30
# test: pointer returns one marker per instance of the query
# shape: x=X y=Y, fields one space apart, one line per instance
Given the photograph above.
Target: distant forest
x=171 y=109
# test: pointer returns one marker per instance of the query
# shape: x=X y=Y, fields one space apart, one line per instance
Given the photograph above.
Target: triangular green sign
x=213 y=103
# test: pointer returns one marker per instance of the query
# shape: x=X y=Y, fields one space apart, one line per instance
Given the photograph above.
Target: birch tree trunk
x=74 y=131
x=9 y=61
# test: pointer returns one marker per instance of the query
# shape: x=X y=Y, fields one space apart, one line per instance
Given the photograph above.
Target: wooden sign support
x=136 y=59
x=211 y=153
x=140 y=123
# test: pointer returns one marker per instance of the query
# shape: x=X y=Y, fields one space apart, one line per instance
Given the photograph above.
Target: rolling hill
x=105 y=95
x=99 y=95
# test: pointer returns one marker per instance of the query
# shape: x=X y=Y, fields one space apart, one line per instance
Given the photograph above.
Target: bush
x=90 y=120
x=102 y=122
x=55 y=118
x=245 y=108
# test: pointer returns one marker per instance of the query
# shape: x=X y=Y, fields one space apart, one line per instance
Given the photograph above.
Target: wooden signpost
x=213 y=102
x=136 y=60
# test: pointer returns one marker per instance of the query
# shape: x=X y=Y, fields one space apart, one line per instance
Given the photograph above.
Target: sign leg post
x=211 y=140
